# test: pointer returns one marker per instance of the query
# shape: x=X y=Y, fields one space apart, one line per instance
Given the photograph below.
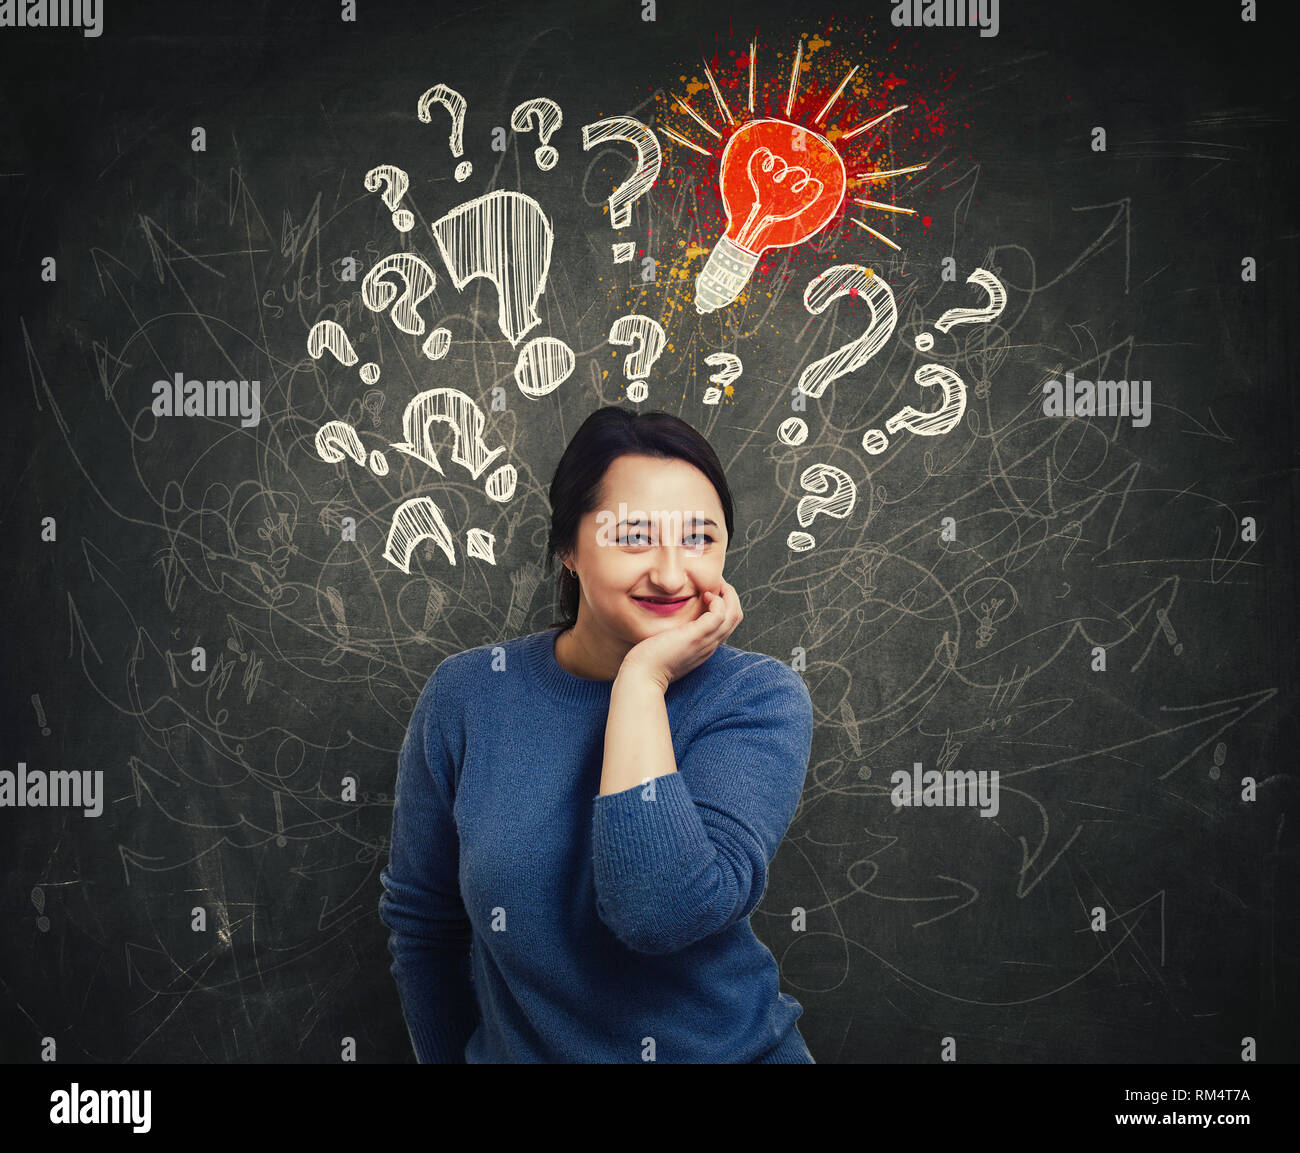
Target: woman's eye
x=639 y=537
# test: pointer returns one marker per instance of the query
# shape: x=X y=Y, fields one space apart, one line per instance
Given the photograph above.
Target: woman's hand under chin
x=671 y=654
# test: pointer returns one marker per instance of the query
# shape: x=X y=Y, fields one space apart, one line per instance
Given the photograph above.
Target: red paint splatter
x=926 y=222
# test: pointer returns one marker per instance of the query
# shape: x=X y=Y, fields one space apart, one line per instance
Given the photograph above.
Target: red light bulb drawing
x=781 y=184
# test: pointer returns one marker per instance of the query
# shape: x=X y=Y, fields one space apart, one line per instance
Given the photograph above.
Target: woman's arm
x=685 y=855
x=431 y=936
x=638 y=741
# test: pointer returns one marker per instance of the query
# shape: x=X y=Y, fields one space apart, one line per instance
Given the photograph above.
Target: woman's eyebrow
x=688 y=520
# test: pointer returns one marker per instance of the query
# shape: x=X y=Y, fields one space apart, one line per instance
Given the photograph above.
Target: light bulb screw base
x=724 y=276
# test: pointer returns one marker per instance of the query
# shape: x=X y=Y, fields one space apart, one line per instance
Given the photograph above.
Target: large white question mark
x=731 y=367
x=636 y=365
x=862 y=284
x=506 y=238
x=648 y=161
x=838 y=504
x=454 y=102
x=549 y=117
x=397 y=182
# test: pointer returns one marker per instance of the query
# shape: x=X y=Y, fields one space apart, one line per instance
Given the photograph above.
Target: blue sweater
x=536 y=921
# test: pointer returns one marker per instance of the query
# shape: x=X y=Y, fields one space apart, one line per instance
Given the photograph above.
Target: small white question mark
x=947 y=416
x=549 y=117
x=991 y=311
x=838 y=504
x=630 y=330
x=417 y=279
x=329 y=335
x=731 y=367
x=337 y=438
x=396 y=182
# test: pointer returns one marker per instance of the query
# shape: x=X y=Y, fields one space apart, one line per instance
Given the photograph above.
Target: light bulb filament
x=770 y=162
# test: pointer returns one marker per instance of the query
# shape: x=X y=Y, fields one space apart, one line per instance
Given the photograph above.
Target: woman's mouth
x=662 y=606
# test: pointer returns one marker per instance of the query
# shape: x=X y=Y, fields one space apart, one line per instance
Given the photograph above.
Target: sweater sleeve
x=688 y=858
x=421 y=904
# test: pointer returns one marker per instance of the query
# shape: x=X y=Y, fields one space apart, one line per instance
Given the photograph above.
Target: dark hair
x=603 y=437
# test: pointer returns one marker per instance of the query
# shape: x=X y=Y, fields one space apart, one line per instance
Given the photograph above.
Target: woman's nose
x=668 y=570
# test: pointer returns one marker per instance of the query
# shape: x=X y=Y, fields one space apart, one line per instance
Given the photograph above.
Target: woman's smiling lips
x=663 y=609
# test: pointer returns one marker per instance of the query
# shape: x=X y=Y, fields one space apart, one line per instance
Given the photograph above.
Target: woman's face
x=658 y=532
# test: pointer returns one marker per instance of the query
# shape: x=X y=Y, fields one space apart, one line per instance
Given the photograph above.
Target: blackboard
x=1099 y=607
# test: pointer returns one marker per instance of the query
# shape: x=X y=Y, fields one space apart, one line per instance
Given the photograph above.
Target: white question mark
x=506 y=238
x=454 y=102
x=328 y=334
x=337 y=438
x=453 y=407
x=636 y=366
x=862 y=284
x=417 y=282
x=648 y=161
x=946 y=417
x=731 y=367
x=397 y=183
x=415 y=520
x=991 y=311
x=839 y=504
x=549 y=117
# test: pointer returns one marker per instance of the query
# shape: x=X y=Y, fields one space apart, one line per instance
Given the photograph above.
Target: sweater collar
x=545 y=671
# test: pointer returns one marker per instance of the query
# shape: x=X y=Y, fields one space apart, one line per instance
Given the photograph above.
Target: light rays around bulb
x=876 y=234
x=717 y=94
x=886 y=174
x=794 y=79
x=696 y=117
x=883 y=207
x=834 y=97
x=849 y=135
x=753 y=53
x=682 y=140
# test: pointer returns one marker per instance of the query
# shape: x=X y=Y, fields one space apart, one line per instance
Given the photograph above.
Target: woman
x=584 y=817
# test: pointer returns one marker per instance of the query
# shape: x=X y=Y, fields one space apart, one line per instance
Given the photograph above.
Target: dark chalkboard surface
x=1099 y=607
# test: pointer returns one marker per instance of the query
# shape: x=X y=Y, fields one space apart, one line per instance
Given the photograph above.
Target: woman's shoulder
x=490 y=656
x=751 y=676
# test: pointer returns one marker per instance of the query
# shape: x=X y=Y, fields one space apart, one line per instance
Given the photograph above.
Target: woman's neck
x=592 y=658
